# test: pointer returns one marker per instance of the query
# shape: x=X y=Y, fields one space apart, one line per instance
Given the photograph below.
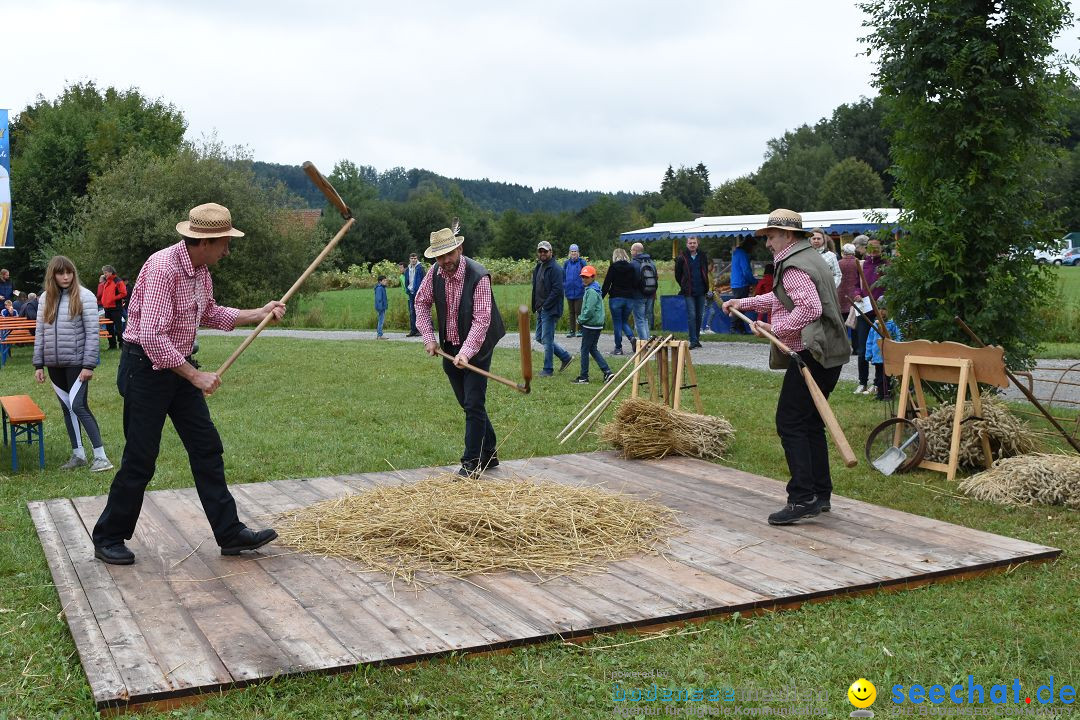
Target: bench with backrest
x=26 y=420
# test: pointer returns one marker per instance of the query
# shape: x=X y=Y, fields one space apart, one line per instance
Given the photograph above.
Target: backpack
x=648 y=278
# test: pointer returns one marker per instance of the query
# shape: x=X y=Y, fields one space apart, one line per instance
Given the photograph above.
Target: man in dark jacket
x=547 y=303
x=469 y=328
x=414 y=275
x=692 y=274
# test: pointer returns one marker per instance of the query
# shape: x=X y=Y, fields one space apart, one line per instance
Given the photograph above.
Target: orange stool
x=26 y=419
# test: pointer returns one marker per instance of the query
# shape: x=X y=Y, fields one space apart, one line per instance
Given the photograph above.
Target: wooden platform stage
x=184 y=620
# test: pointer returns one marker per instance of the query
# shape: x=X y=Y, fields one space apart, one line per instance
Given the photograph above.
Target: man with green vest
x=805 y=314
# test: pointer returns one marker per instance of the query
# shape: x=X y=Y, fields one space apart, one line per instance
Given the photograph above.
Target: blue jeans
x=620 y=316
x=545 y=335
x=695 y=307
x=589 y=338
x=412 y=314
x=711 y=309
x=641 y=320
x=379 y=324
x=649 y=305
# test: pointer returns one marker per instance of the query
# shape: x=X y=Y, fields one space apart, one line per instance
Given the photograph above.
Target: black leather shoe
x=489 y=463
x=793 y=512
x=248 y=539
x=470 y=472
x=117 y=554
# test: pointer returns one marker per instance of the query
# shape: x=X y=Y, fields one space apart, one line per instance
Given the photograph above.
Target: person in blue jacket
x=381 y=304
x=875 y=356
x=742 y=279
x=573 y=288
x=413 y=275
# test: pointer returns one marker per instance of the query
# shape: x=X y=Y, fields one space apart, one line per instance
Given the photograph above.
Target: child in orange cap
x=591 y=322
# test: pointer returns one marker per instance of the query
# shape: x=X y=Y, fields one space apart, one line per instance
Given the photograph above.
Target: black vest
x=473 y=272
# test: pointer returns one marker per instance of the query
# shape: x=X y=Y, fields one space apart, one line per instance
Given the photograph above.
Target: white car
x=1054 y=256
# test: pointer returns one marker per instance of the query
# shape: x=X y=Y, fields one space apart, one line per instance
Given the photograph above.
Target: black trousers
x=802 y=431
x=149 y=396
x=737 y=325
x=470 y=389
x=116 y=329
x=862 y=334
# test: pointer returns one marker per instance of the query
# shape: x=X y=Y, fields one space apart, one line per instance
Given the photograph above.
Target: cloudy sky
x=574 y=94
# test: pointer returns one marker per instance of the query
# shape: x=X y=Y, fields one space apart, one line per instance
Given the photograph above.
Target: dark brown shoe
x=248 y=539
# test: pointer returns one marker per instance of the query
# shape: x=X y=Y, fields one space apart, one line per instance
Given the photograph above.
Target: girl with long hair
x=66 y=344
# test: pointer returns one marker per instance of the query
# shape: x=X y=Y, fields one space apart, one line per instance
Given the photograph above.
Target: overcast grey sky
x=582 y=95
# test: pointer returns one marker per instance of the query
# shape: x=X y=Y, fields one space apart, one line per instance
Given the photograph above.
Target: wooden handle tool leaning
x=822 y=405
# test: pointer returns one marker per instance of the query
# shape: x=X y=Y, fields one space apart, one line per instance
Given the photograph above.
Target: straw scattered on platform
x=1009 y=435
x=1034 y=479
x=645 y=429
x=457 y=527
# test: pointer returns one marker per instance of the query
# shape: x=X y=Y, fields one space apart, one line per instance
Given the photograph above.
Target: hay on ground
x=1009 y=435
x=1038 y=478
x=646 y=429
x=455 y=526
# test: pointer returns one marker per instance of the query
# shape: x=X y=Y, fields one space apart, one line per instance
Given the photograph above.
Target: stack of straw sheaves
x=1045 y=479
x=457 y=527
x=1008 y=434
x=645 y=429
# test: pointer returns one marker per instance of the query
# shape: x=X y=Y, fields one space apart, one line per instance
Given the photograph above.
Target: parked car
x=1053 y=256
x=1071 y=257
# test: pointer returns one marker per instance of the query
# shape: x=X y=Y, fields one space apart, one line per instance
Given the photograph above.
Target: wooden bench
x=26 y=420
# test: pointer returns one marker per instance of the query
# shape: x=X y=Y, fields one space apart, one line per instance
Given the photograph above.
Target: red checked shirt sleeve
x=788 y=326
x=481 y=319
x=423 y=301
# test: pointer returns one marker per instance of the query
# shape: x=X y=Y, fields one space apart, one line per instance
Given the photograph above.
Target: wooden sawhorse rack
x=673 y=364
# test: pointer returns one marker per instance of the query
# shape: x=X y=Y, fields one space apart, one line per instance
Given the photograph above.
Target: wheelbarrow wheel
x=899 y=440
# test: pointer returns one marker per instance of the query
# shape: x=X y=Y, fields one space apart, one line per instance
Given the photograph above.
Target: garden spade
x=894 y=457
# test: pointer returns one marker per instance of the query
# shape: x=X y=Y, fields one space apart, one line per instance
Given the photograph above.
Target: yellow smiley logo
x=862 y=693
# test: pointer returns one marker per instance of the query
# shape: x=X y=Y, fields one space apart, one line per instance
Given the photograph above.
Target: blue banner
x=7 y=235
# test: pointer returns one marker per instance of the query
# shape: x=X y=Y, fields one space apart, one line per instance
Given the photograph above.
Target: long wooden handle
x=327 y=189
x=485 y=373
x=285 y=298
x=642 y=349
x=525 y=341
x=822 y=405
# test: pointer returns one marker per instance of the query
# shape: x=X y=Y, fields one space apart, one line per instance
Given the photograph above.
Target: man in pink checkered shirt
x=469 y=328
x=173 y=296
x=805 y=314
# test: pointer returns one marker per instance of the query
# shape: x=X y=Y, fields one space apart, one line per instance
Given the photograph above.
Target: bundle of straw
x=1038 y=478
x=645 y=429
x=457 y=527
x=1008 y=434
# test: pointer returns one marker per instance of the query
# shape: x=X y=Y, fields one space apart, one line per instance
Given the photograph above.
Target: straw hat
x=442 y=242
x=782 y=219
x=209 y=220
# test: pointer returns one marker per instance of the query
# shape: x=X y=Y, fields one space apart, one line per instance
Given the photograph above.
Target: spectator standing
x=742 y=277
x=381 y=304
x=823 y=244
x=621 y=284
x=764 y=287
x=573 y=288
x=470 y=325
x=111 y=295
x=692 y=274
x=592 y=324
x=806 y=317
x=547 y=303
x=872 y=268
x=6 y=289
x=412 y=276
x=158 y=378
x=650 y=283
x=860 y=242
x=874 y=354
x=30 y=309
x=66 y=345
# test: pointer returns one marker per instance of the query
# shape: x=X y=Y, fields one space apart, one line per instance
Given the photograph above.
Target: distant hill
x=397 y=183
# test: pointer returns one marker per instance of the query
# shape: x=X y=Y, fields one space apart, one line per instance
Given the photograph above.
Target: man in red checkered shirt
x=805 y=314
x=173 y=296
x=469 y=327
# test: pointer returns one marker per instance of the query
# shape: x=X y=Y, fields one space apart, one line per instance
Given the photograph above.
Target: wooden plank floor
x=184 y=620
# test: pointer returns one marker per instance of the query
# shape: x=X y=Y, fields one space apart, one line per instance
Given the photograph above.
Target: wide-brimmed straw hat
x=209 y=220
x=442 y=242
x=782 y=219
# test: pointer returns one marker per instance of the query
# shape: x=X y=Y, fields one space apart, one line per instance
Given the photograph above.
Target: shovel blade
x=890 y=460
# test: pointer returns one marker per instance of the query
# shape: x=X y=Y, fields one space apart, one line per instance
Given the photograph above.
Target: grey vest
x=473 y=272
x=826 y=338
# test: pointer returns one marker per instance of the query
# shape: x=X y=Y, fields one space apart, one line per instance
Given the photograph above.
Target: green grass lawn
x=292 y=409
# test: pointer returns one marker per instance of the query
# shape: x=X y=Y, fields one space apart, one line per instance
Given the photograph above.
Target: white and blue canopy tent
x=856 y=221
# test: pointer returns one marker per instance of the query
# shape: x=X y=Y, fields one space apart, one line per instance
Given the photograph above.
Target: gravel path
x=752 y=355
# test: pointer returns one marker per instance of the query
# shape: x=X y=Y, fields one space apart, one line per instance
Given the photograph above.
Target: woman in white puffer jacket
x=66 y=344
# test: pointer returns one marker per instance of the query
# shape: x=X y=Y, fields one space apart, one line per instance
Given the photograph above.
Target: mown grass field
x=291 y=409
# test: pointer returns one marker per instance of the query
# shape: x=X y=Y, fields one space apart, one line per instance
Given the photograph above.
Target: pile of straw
x=1008 y=434
x=1029 y=480
x=645 y=429
x=455 y=526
